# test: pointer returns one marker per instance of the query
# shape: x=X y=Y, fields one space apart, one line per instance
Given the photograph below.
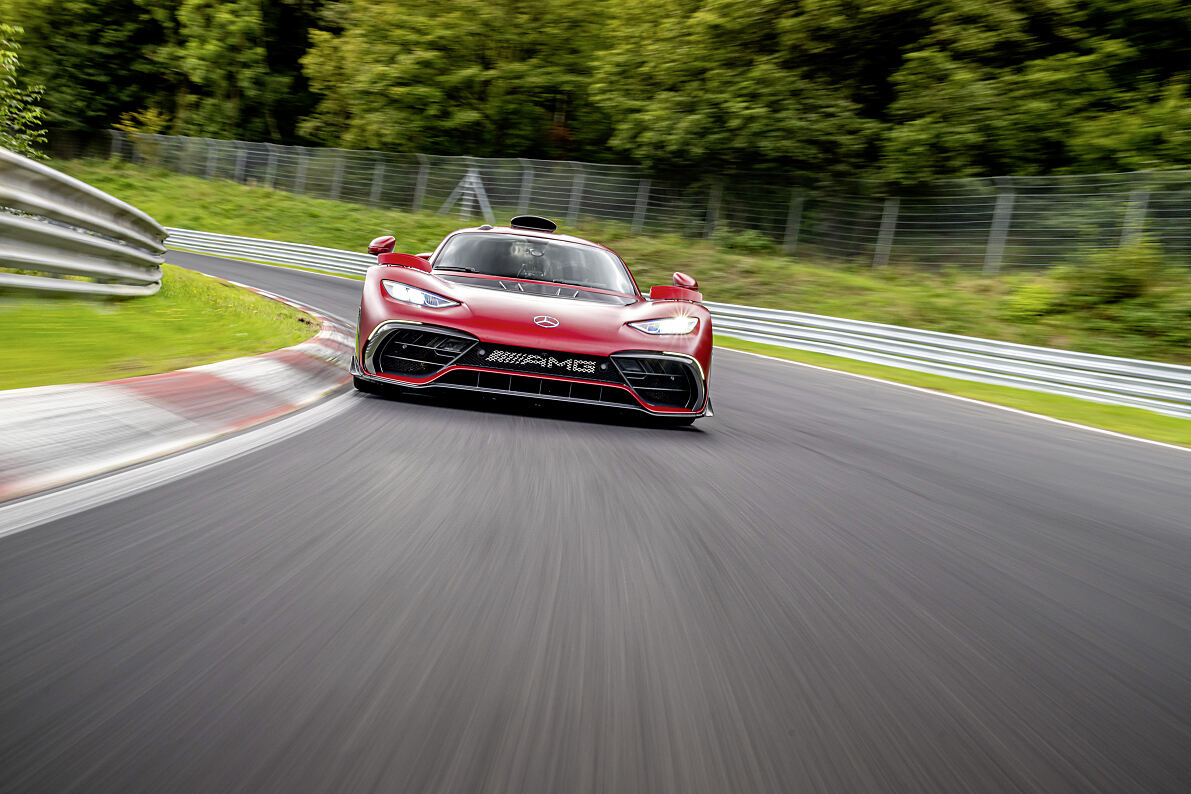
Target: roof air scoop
x=534 y=222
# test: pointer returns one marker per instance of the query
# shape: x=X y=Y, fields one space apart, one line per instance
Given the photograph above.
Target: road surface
x=833 y=585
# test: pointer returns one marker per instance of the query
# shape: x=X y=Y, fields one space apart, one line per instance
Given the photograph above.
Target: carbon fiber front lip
x=356 y=372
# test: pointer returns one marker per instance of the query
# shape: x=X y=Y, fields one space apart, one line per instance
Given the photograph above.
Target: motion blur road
x=834 y=585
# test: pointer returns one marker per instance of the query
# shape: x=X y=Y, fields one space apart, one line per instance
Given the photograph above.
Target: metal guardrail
x=57 y=226
x=1155 y=386
x=254 y=249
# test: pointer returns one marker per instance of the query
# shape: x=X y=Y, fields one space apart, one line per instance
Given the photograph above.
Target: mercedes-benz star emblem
x=546 y=321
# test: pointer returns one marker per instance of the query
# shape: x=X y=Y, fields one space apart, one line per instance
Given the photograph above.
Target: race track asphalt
x=833 y=585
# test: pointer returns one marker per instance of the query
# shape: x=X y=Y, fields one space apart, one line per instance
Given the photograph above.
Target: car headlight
x=667 y=325
x=418 y=297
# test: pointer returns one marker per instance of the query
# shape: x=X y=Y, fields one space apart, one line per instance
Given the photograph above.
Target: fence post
x=576 y=195
x=714 y=201
x=526 y=186
x=378 y=182
x=885 y=235
x=241 y=156
x=300 y=179
x=1135 y=215
x=212 y=157
x=271 y=169
x=793 y=222
x=481 y=194
x=420 y=186
x=117 y=144
x=999 y=232
x=642 y=206
x=337 y=179
x=466 y=190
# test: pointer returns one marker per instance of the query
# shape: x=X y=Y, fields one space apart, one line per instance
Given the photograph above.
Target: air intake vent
x=661 y=380
x=534 y=222
x=418 y=351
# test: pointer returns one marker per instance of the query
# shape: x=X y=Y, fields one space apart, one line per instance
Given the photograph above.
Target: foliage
x=1129 y=293
x=1030 y=299
x=748 y=241
x=149 y=120
x=87 y=54
x=718 y=84
x=224 y=69
x=214 y=67
x=1106 y=276
x=485 y=77
x=1036 y=87
x=20 y=114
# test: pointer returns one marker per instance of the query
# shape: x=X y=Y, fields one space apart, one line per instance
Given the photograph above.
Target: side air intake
x=661 y=380
x=416 y=350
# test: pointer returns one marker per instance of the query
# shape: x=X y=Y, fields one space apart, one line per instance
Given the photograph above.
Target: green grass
x=192 y=320
x=1118 y=418
x=1015 y=308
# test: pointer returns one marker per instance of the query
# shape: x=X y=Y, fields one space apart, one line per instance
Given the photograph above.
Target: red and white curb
x=53 y=435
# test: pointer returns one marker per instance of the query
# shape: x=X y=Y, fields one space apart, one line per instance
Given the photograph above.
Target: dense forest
x=897 y=90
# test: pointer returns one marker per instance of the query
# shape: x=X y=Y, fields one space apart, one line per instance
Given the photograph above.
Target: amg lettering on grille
x=579 y=366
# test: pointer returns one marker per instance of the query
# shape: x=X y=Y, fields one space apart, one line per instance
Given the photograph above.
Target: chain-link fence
x=990 y=224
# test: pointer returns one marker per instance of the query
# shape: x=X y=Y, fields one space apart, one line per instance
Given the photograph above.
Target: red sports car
x=522 y=310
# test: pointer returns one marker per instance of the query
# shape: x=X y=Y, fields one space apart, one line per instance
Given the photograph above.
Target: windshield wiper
x=460 y=268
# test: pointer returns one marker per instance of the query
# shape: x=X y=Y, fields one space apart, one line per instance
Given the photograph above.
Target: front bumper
x=419 y=356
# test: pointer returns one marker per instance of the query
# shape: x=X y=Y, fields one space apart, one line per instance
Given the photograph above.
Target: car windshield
x=536 y=259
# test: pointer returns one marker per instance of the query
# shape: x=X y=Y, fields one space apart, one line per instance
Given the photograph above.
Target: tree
x=233 y=65
x=484 y=77
x=1148 y=134
x=721 y=84
x=89 y=55
x=20 y=113
x=1007 y=87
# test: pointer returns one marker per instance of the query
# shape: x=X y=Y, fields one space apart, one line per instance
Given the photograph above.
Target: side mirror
x=684 y=288
x=404 y=260
x=665 y=292
x=382 y=245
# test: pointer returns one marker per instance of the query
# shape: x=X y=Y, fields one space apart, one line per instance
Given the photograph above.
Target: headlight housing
x=418 y=297
x=667 y=325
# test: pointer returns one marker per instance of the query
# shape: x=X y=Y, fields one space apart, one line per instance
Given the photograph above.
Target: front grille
x=419 y=352
x=660 y=380
x=530 y=386
x=541 y=362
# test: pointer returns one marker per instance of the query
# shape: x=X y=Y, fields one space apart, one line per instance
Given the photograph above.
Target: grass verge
x=192 y=320
x=1118 y=418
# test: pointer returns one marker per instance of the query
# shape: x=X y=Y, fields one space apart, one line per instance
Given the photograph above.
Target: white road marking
x=39 y=509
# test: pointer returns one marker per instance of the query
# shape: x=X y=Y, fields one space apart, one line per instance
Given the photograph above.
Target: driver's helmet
x=529 y=257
